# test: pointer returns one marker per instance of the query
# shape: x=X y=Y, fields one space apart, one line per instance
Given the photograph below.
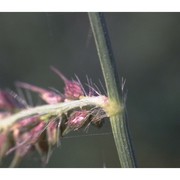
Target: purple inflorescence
x=44 y=133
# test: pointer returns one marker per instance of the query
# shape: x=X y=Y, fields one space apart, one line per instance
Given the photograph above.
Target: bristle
x=78 y=80
x=102 y=86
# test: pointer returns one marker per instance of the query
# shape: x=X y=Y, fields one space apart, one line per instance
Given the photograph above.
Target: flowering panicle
x=44 y=131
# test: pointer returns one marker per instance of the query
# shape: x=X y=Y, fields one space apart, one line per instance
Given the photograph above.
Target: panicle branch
x=24 y=129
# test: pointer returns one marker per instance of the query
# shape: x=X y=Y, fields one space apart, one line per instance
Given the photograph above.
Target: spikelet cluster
x=43 y=133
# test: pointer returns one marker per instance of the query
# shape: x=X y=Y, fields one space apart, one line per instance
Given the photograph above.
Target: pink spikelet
x=73 y=89
x=48 y=96
x=25 y=141
x=78 y=119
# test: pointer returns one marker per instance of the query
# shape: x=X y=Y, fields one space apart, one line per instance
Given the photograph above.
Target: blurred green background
x=146 y=47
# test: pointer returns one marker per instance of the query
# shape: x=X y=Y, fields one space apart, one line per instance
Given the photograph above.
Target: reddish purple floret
x=77 y=119
x=48 y=96
x=25 y=141
x=73 y=89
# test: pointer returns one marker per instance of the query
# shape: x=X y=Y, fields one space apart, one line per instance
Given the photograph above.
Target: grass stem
x=118 y=121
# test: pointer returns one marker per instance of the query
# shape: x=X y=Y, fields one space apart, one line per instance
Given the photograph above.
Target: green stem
x=118 y=121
